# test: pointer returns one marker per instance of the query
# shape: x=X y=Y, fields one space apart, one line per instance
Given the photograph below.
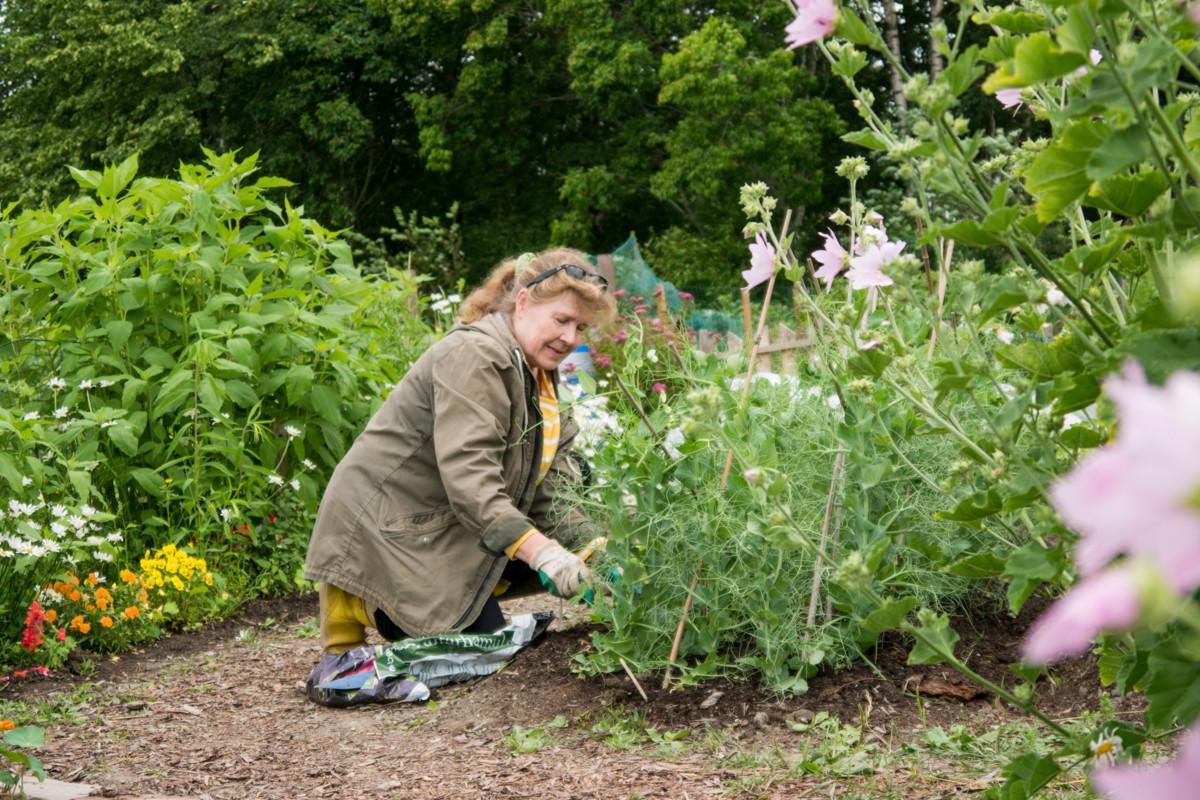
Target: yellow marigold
x=208 y=578
x=6 y=725
x=168 y=549
x=128 y=576
x=178 y=584
x=106 y=621
x=131 y=613
x=51 y=615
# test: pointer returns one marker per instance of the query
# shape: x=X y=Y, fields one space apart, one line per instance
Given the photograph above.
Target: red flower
x=62 y=634
x=271 y=518
x=35 y=621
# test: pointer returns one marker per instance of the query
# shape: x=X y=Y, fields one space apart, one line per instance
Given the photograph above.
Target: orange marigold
x=92 y=580
x=85 y=628
x=74 y=595
x=51 y=615
x=133 y=612
x=106 y=621
x=77 y=622
x=6 y=725
x=102 y=593
x=128 y=576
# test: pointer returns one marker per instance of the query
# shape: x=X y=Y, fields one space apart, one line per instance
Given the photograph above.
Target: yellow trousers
x=344 y=620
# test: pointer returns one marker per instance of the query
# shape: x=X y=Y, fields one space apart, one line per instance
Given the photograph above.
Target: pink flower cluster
x=871 y=254
x=814 y=21
x=1174 y=780
x=1135 y=497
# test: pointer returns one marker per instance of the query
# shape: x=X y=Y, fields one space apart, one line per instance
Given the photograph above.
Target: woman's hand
x=566 y=571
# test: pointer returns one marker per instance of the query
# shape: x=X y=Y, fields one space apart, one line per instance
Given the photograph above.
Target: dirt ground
x=220 y=713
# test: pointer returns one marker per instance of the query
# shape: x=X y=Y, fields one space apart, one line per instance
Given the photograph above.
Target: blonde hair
x=499 y=291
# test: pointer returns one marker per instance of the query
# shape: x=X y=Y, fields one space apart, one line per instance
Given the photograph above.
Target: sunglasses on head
x=575 y=271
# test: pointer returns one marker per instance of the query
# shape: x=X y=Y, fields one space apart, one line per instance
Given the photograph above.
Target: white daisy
x=61 y=412
x=100 y=555
x=295 y=484
x=86 y=385
x=32 y=415
x=308 y=464
x=57 y=384
x=275 y=480
x=292 y=431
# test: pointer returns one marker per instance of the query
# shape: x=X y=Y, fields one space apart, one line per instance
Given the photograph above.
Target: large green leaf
x=1011 y=19
x=27 y=736
x=935 y=639
x=1164 y=351
x=1058 y=175
x=1128 y=195
x=1028 y=568
x=887 y=616
x=326 y=402
x=1037 y=58
x=1121 y=150
x=1172 y=686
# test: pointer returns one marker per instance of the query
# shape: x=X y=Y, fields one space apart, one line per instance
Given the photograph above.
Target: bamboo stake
x=636 y=685
x=943 y=277
x=762 y=321
x=814 y=598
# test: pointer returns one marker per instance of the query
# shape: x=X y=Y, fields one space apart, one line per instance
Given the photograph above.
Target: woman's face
x=549 y=330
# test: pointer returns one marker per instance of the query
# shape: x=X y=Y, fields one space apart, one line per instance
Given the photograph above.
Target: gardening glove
x=562 y=572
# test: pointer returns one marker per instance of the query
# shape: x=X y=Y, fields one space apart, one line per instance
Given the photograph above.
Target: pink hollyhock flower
x=832 y=259
x=685 y=296
x=866 y=270
x=1010 y=98
x=1137 y=495
x=814 y=21
x=1107 y=601
x=659 y=388
x=1173 y=780
x=762 y=262
x=602 y=360
x=619 y=293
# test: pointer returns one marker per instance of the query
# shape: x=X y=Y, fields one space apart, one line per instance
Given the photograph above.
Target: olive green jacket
x=417 y=515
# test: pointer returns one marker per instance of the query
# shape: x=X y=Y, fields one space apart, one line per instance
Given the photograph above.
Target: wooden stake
x=943 y=277
x=762 y=321
x=633 y=678
x=814 y=598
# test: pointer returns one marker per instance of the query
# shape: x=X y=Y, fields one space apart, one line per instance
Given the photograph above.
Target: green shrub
x=190 y=357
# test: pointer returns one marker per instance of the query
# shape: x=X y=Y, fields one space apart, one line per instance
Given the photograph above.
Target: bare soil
x=221 y=713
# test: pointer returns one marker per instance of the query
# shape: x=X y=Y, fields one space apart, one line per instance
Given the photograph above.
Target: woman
x=454 y=478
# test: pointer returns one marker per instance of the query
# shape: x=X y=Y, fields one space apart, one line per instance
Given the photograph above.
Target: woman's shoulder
x=477 y=341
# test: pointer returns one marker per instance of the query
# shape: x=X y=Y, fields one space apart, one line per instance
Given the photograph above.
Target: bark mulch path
x=220 y=713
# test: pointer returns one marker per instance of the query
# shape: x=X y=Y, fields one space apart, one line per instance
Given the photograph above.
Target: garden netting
x=637 y=278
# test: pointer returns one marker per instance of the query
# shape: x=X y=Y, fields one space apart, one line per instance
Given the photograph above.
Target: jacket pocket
x=422 y=522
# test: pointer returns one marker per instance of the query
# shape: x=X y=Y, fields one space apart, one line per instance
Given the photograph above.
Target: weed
x=527 y=740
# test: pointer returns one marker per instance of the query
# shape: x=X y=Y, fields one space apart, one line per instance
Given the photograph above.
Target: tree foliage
x=565 y=121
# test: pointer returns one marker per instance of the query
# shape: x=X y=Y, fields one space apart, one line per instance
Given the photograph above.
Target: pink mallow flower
x=1107 y=601
x=1174 y=780
x=685 y=296
x=866 y=270
x=814 y=21
x=1137 y=495
x=1010 y=98
x=832 y=259
x=762 y=262
x=602 y=360
x=659 y=388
